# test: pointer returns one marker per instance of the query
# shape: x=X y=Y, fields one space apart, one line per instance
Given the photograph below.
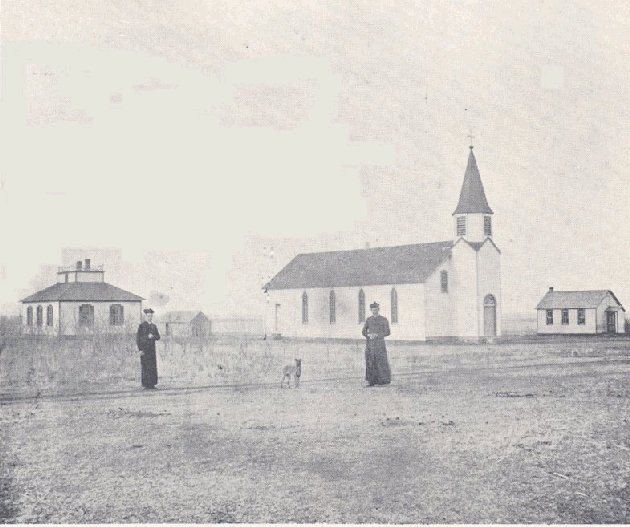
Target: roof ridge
x=450 y=242
x=580 y=291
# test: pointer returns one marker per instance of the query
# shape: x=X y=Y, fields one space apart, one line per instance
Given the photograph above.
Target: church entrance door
x=489 y=316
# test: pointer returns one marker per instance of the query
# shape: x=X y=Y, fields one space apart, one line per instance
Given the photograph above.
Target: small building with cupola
x=81 y=303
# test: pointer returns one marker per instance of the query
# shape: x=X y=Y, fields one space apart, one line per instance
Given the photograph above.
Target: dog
x=292 y=371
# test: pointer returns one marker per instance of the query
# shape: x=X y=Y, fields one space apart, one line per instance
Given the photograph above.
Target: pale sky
x=175 y=142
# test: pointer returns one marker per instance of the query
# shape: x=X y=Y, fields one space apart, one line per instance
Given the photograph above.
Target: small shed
x=185 y=324
x=580 y=312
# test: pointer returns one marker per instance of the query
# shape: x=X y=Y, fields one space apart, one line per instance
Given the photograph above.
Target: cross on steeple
x=471 y=137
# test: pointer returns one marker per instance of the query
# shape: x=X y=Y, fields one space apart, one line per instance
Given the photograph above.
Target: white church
x=428 y=291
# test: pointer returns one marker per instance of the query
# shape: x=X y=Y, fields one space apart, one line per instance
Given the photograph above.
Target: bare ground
x=452 y=440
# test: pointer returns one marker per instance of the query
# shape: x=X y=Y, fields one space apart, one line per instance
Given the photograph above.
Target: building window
x=116 y=315
x=86 y=315
x=394 y=303
x=444 y=281
x=549 y=317
x=333 y=307
x=304 y=308
x=487 y=225
x=581 y=317
x=565 y=316
x=29 y=315
x=461 y=226
x=49 y=316
x=361 y=306
x=40 y=316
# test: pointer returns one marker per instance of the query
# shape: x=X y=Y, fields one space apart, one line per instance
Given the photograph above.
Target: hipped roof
x=83 y=292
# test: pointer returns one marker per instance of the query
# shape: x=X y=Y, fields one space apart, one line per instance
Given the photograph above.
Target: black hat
x=149 y=310
x=374 y=304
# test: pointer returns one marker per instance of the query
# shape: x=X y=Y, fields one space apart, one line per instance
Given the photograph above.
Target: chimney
x=551 y=289
x=87 y=264
x=79 y=265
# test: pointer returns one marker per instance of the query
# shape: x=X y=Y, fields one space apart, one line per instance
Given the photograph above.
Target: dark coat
x=142 y=337
x=148 y=359
x=377 y=369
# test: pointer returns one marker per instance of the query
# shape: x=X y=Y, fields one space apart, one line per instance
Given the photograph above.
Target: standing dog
x=292 y=370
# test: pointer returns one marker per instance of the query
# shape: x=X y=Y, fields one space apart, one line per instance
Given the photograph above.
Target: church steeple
x=473 y=215
x=472 y=198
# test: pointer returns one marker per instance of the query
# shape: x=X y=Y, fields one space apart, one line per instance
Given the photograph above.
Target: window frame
x=116 y=317
x=460 y=225
x=564 y=317
x=549 y=317
x=49 y=315
x=39 y=317
x=332 y=307
x=89 y=321
x=29 y=316
x=444 y=281
x=581 y=316
x=487 y=225
x=304 y=308
x=393 y=295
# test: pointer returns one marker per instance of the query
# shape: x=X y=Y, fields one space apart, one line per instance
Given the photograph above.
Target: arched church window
x=333 y=307
x=394 y=304
x=29 y=315
x=40 y=316
x=361 y=306
x=444 y=281
x=304 y=308
x=49 y=316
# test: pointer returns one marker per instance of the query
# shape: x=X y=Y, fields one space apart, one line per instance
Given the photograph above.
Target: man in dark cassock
x=375 y=330
x=147 y=335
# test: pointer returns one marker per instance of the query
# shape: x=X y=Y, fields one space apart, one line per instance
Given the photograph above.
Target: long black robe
x=148 y=360
x=376 y=365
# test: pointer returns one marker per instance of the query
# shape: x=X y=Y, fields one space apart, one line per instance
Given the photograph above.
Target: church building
x=428 y=291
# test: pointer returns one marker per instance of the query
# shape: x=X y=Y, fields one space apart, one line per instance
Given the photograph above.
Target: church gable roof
x=477 y=245
x=404 y=264
x=575 y=299
x=472 y=197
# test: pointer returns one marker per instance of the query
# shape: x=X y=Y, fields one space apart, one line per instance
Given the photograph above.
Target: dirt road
x=495 y=444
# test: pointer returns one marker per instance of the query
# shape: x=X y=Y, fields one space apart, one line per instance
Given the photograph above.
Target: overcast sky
x=177 y=141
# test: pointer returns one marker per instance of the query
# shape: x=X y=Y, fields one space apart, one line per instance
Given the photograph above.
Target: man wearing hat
x=375 y=330
x=145 y=338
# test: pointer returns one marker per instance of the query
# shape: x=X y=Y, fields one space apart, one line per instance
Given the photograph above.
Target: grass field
x=518 y=432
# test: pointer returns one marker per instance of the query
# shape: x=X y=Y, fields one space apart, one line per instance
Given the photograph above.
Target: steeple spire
x=472 y=197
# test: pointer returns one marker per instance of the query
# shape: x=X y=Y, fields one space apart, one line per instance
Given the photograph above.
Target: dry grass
x=513 y=433
x=32 y=365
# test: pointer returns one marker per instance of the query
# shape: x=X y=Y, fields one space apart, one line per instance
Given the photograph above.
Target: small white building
x=184 y=324
x=447 y=289
x=580 y=312
x=81 y=303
